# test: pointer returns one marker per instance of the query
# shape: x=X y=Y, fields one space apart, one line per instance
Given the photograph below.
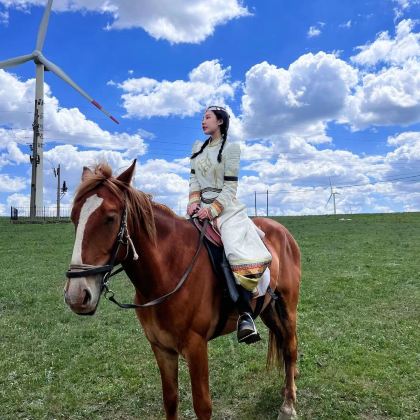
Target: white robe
x=214 y=185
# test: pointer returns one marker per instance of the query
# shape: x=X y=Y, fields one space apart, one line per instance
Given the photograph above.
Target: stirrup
x=246 y=329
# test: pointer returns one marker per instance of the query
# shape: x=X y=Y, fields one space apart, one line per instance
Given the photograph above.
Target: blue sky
x=317 y=90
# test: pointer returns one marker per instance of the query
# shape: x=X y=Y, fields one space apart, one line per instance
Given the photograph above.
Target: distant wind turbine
x=333 y=194
x=43 y=64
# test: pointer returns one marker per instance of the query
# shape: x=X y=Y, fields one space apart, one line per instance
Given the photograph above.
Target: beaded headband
x=217 y=108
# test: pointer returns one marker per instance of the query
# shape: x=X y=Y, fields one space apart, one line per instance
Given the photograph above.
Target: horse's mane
x=139 y=205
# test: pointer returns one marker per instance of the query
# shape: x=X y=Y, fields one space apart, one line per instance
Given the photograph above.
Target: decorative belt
x=209 y=189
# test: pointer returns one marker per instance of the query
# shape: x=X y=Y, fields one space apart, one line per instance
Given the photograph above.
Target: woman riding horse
x=213 y=185
x=118 y=224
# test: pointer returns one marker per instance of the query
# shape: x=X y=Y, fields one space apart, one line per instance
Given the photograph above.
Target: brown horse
x=184 y=323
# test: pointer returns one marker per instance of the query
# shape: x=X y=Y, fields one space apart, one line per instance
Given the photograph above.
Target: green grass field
x=358 y=333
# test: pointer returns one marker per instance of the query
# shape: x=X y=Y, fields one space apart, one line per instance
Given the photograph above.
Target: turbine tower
x=333 y=194
x=43 y=64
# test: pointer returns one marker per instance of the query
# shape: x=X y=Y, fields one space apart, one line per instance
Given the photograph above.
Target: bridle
x=123 y=238
x=84 y=270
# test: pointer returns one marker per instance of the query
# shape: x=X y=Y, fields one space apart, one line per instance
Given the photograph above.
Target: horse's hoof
x=287 y=412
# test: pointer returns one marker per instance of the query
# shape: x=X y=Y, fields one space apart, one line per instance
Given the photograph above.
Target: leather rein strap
x=167 y=295
x=83 y=270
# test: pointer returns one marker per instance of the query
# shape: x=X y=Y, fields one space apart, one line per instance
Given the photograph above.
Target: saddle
x=232 y=293
x=212 y=234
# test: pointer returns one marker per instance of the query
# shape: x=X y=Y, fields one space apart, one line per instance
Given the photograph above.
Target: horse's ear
x=127 y=175
x=86 y=173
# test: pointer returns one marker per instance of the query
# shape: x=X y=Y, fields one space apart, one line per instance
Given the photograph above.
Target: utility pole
x=255 y=202
x=36 y=159
x=267 y=203
x=60 y=190
x=57 y=175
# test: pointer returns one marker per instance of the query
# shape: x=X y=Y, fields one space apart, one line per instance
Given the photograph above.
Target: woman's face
x=210 y=123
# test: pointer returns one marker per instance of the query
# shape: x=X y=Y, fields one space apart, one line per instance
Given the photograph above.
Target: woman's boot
x=246 y=329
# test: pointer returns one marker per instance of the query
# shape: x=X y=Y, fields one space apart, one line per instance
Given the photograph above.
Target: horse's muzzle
x=82 y=294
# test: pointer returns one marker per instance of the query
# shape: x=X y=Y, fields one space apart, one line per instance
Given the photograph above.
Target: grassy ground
x=358 y=332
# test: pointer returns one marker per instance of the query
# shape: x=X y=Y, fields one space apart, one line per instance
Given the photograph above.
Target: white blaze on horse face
x=91 y=204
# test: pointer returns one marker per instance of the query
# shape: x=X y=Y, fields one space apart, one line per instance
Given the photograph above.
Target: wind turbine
x=333 y=194
x=43 y=64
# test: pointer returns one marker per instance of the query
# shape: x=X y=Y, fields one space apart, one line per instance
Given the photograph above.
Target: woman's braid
x=202 y=148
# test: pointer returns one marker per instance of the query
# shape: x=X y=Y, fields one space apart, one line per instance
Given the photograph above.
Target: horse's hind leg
x=168 y=366
x=196 y=355
x=283 y=350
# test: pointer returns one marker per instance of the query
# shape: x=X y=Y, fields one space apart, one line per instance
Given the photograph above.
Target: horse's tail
x=275 y=352
x=275 y=340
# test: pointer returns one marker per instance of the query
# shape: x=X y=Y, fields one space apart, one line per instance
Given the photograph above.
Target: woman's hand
x=192 y=208
x=204 y=213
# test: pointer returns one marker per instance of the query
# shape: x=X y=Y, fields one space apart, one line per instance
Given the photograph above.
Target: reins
x=83 y=270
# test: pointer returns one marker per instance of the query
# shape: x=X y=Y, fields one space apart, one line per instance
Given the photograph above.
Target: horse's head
x=98 y=209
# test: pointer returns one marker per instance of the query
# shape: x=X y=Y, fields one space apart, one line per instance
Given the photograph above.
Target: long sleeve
x=194 y=192
x=230 y=182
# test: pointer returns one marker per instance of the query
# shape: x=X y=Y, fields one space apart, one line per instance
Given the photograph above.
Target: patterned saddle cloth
x=212 y=233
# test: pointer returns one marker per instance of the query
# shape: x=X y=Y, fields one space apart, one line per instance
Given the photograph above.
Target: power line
x=257 y=159
x=151 y=142
x=309 y=188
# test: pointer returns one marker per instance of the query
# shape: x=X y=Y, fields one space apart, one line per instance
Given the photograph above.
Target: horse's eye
x=110 y=220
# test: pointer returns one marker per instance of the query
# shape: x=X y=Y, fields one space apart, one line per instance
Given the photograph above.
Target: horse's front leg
x=168 y=365
x=196 y=356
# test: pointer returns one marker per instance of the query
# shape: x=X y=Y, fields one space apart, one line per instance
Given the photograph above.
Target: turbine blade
x=16 y=61
x=42 y=31
x=328 y=200
x=62 y=75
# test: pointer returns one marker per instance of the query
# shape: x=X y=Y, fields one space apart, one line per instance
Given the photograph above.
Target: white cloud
x=72 y=161
x=346 y=25
x=404 y=160
x=257 y=150
x=18 y=200
x=207 y=84
x=10 y=154
x=403 y=6
x=314 y=167
x=11 y=183
x=315 y=30
x=404 y=46
x=300 y=100
x=4 y=17
x=297 y=179
x=409 y=137
x=391 y=96
x=173 y=20
x=62 y=125
x=166 y=180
